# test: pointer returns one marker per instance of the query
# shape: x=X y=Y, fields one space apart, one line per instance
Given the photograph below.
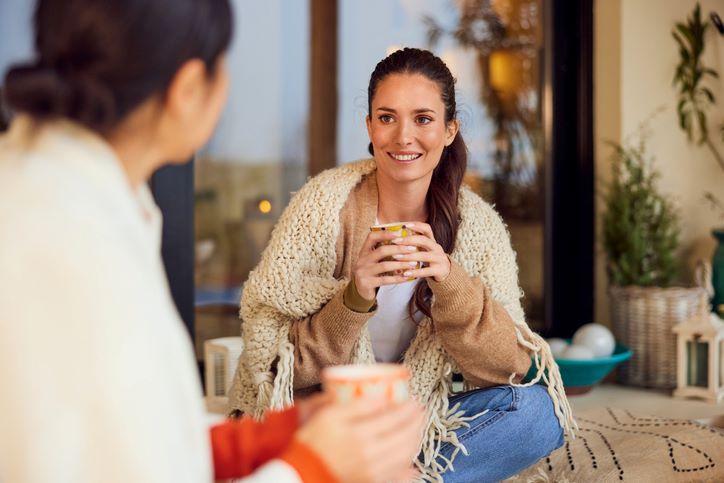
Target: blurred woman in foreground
x=98 y=376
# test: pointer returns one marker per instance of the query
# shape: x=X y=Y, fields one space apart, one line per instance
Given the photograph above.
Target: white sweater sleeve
x=98 y=378
x=275 y=471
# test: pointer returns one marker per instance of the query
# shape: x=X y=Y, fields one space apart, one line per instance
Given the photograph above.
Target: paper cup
x=400 y=229
x=349 y=382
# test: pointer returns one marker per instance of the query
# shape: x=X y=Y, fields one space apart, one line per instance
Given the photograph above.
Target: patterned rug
x=614 y=445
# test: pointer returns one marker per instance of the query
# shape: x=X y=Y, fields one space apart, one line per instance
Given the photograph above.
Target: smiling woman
x=445 y=298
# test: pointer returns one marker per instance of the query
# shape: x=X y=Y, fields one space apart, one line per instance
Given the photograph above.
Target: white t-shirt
x=98 y=379
x=391 y=329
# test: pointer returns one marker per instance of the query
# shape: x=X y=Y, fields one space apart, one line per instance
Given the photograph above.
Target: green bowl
x=579 y=376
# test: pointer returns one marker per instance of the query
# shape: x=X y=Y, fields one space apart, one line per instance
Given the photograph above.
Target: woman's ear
x=187 y=90
x=451 y=131
x=191 y=107
x=368 y=122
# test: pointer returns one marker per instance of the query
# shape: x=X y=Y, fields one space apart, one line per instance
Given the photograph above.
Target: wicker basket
x=642 y=319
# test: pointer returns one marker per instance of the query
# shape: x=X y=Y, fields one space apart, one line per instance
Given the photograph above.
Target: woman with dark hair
x=99 y=382
x=442 y=300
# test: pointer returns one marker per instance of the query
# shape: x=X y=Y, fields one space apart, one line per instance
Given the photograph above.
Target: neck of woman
x=135 y=144
x=401 y=201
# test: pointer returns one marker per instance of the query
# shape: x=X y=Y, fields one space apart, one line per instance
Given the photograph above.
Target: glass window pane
x=257 y=157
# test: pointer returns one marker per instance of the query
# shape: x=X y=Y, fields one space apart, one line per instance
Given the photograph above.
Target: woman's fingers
x=393 y=279
x=390 y=251
x=419 y=256
x=398 y=417
x=374 y=238
x=422 y=228
x=398 y=433
x=419 y=241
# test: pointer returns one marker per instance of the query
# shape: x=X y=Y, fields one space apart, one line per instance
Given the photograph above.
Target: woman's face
x=407 y=128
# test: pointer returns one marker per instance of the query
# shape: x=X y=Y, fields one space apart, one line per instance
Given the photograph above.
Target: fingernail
x=412 y=264
x=397 y=240
x=411 y=248
x=397 y=256
x=407 y=273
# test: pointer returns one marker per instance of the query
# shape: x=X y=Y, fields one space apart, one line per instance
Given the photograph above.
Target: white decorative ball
x=577 y=352
x=557 y=346
x=597 y=338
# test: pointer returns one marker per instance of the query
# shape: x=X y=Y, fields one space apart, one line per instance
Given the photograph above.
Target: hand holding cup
x=377 y=264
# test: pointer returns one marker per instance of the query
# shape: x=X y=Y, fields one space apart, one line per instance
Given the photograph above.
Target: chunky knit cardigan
x=296 y=278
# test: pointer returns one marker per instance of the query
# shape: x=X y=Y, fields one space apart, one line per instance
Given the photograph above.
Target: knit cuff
x=354 y=301
x=457 y=284
x=307 y=463
x=342 y=324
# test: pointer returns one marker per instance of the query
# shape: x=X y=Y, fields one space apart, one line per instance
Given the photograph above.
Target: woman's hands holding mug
x=417 y=255
x=376 y=264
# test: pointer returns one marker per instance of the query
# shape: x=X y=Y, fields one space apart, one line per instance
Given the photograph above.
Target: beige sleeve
x=476 y=330
x=323 y=339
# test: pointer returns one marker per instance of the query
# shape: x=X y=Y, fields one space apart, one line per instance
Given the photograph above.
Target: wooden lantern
x=699 y=349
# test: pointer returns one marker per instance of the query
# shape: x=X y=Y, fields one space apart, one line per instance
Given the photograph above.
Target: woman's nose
x=404 y=134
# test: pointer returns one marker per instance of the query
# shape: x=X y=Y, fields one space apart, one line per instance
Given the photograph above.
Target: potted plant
x=640 y=238
x=694 y=100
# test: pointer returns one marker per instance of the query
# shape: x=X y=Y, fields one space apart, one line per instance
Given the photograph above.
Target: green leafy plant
x=640 y=225
x=694 y=97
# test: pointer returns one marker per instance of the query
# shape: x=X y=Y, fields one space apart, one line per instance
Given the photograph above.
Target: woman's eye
x=424 y=120
x=385 y=118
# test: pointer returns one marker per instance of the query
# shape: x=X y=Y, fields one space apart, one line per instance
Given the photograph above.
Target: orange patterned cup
x=387 y=381
x=400 y=229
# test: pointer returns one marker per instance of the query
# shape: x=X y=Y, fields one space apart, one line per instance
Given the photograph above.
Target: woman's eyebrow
x=421 y=110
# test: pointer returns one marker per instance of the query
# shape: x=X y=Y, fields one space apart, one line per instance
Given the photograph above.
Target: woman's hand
x=375 y=266
x=307 y=407
x=367 y=440
x=435 y=262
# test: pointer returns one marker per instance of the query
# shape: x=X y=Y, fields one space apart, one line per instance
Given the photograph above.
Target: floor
x=649 y=402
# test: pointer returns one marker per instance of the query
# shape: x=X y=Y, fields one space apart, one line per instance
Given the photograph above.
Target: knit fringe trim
x=442 y=423
x=279 y=393
x=546 y=369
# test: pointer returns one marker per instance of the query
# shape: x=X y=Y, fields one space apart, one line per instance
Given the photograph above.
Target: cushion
x=616 y=445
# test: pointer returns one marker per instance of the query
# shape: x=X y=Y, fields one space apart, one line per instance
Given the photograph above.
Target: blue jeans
x=519 y=429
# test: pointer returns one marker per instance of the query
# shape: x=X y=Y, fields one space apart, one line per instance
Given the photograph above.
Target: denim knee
x=539 y=422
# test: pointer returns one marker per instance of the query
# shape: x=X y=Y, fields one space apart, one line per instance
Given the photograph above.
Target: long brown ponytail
x=442 y=196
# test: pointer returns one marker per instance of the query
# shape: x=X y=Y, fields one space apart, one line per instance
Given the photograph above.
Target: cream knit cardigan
x=295 y=279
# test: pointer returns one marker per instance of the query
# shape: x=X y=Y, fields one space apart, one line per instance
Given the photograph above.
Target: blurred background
x=264 y=148
x=298 y=99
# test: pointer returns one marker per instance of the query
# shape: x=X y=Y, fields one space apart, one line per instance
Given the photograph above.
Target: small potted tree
x=640 y=238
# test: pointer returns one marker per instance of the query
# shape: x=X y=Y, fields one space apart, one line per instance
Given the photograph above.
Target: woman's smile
x=404 y=157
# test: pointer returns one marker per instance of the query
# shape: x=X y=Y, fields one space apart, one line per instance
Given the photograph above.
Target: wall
x=635 y=58
x=16 y=42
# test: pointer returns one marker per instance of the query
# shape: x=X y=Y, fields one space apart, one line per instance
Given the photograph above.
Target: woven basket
x=642 y=319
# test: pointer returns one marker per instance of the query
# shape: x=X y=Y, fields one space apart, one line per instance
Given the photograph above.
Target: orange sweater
x=241 y=446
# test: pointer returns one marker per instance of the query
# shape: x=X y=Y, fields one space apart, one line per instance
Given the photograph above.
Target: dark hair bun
x=45 y=93
x=98 y=60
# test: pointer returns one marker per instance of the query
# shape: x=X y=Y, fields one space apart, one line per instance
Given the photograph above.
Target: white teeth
x=405 y=157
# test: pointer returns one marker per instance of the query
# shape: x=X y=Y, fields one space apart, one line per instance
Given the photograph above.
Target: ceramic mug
x=400 y=229
x=357 y=381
